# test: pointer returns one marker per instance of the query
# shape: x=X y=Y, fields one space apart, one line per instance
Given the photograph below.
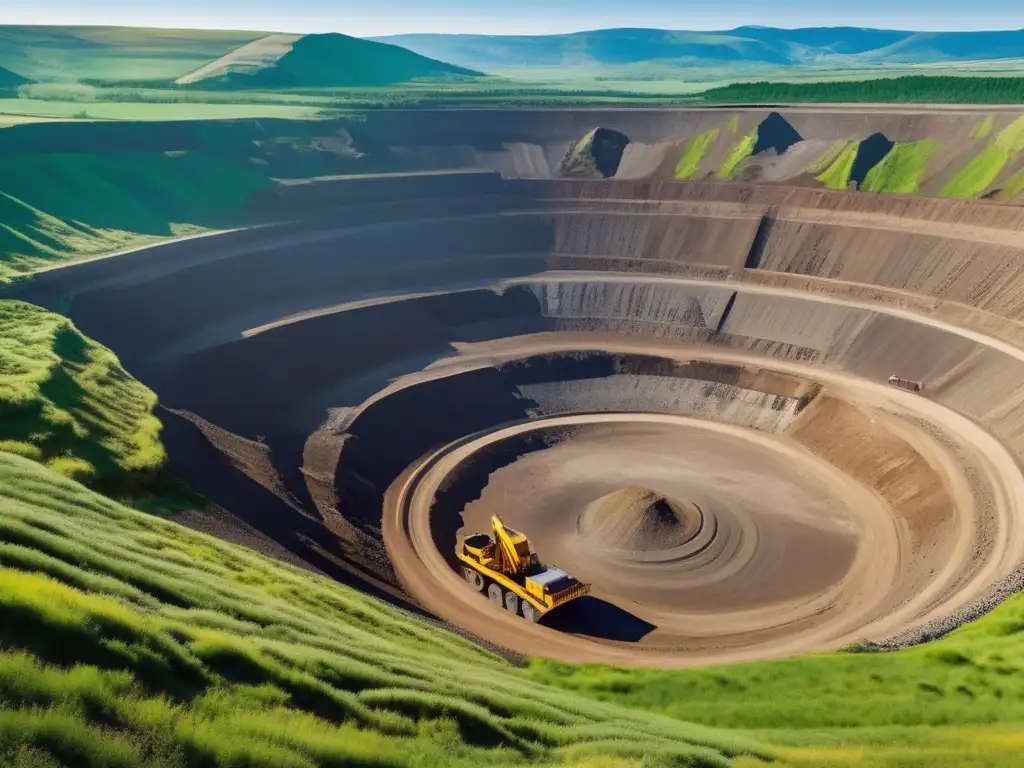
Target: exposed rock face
x=775 y=132
x=596 y=155
x=639 y=520
x=869 y=154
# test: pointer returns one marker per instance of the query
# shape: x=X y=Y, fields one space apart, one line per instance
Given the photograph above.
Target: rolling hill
x=846 y=46
x=67 y=54
x=320 y=61
x=9 y=81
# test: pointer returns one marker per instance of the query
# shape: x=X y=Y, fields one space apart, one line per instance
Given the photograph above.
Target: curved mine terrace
x=679 y=391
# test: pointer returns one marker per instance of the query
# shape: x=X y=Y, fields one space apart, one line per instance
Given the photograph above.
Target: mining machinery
x=502 y=565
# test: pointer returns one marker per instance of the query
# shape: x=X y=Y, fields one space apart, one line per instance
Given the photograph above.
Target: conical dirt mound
x=639 y=520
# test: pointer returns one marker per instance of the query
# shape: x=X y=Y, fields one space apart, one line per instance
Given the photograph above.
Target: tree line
x=914 y=88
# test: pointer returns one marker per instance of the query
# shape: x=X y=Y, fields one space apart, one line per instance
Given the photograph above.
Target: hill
x=324 y=61
x=839 y=46
x=10 y=81
x=68 y=54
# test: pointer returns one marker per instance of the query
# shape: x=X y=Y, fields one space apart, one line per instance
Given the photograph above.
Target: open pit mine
x=678 y=390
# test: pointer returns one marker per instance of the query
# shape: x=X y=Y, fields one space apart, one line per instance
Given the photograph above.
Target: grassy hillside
x=958 y=701
x=69 y=54
x=333 y=60
x=983 y=170
x=128 y=641
x=901 y=169
x=64 y=205
x=66 y=402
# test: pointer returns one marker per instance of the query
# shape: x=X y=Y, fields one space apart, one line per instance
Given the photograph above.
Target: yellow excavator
x=503 y=565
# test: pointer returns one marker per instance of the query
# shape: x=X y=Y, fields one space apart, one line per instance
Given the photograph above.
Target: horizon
x=57 y=25
x=527 y=18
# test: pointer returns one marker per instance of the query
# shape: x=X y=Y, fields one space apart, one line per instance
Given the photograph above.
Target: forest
x=916 y=88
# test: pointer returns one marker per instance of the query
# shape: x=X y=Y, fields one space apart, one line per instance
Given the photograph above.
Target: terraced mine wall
x=401 y=355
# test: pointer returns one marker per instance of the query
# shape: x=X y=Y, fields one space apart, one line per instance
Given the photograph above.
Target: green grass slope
x=836 y=165
x=333 y=60
x=739 y=152
x=693 y=154
x=901 y=169
x=130 y=641
x=69 y=54
x=957 y=702
x=983 y=170
x=65 y=401
x=65 y=205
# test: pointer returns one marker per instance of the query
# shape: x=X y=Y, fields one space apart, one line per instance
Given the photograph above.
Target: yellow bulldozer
x=503 y=565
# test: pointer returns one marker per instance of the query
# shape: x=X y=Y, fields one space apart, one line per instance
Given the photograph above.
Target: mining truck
x=502 y=565
x=907 y=384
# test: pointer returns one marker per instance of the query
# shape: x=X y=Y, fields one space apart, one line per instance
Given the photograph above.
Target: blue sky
x=379 y=17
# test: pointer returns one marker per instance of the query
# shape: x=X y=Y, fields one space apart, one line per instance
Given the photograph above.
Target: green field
x=143 y=110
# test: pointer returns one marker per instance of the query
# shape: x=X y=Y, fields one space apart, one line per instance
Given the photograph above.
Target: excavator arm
x=513 y=550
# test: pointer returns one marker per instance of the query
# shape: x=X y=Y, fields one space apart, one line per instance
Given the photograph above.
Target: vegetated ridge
x=845 y=46
x=335 y=60
x=66 y=402
x=67 y=54
x=59 y=205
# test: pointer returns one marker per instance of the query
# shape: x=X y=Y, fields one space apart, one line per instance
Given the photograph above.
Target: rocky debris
x=596 y=155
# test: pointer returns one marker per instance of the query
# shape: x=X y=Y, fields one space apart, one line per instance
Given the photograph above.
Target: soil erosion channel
x=677 y=391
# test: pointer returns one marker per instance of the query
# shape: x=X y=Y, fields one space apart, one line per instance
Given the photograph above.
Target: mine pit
x=679 y=391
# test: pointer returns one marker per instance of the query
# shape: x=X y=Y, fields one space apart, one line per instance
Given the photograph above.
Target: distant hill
x=68 y=54
x=320 y=61
x=848 y=46
x=9 y=81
